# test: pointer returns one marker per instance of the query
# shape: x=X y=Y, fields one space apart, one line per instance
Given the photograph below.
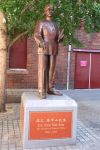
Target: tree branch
x=16 y=38
x=26 y=7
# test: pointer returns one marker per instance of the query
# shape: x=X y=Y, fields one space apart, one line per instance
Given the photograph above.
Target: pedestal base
x=48 y=122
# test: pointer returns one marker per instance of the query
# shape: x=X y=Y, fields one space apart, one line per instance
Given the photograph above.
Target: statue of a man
x=47 y=36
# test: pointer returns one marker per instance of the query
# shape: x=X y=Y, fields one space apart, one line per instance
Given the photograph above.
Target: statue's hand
x=61 y=35
x=42 y=45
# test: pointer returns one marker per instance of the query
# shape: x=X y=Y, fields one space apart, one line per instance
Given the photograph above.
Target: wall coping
x=87 y=50
x=17 y=71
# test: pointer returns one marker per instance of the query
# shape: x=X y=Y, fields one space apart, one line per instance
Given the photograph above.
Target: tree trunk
x=3 y=54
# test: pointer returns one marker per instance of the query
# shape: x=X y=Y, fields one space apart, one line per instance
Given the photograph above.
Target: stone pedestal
x=49 y=122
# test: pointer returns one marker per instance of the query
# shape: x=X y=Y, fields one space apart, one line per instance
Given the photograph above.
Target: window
x=18 y=54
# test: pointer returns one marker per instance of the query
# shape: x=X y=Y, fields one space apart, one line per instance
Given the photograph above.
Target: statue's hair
x=49 y=5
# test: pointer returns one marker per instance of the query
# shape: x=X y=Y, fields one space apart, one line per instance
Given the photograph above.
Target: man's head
x=49 y=9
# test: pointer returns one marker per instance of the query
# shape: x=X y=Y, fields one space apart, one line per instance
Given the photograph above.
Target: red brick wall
x=28 y=79
x=72 y=69
x=61 y=67
x=89 y=40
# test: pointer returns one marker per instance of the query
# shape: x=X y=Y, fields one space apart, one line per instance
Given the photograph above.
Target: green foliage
x=22 y=15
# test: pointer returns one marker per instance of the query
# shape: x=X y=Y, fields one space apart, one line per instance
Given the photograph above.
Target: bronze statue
x=47 y=35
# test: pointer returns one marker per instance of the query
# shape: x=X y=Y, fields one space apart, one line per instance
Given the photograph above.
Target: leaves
x=22 y=15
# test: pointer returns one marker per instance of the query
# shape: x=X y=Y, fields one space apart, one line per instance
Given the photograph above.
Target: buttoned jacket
x=47 y=32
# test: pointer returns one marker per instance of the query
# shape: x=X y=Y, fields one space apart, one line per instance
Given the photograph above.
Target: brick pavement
x=10 y=135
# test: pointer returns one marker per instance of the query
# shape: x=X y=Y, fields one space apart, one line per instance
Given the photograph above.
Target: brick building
x=24 y=78
x=23 y=59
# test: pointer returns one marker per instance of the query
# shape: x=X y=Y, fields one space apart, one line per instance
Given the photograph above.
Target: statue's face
x=49 y=10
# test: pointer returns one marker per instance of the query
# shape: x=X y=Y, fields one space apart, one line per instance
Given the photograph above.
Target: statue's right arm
x=38 y=34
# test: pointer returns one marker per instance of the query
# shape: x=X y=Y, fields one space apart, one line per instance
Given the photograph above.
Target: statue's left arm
x=60 y=35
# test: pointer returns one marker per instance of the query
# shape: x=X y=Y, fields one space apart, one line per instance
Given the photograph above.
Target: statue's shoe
x=42 y=95
x=54 y=92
